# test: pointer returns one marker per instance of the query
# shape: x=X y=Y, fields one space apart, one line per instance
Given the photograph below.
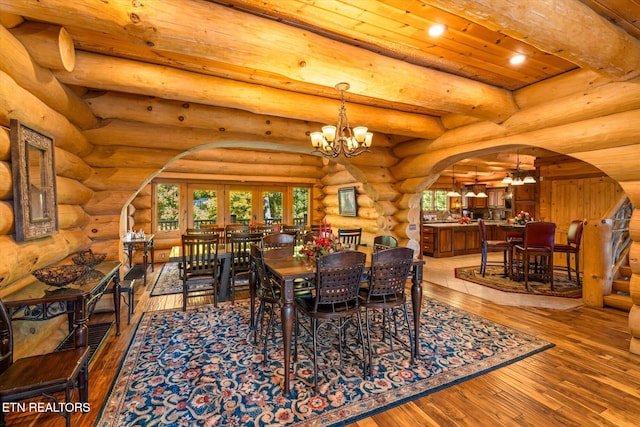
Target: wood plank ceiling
x=381 y=47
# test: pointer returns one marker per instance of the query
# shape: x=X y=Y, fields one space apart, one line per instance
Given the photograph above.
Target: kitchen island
x=447 y=239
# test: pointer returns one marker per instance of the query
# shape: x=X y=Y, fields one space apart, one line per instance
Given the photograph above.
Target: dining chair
x=42 y=375
x=337 y=284
x=209 y=229
x=295 y=230
x=350 y=238
x=264 y=229
x=309 y=237
x=267 y=293
x=514 y=236
x=278 y=240
x=384 y=242
x=241 y=259
x=229 y=229
x=199 y=260
x=385 y=295
x=321 y=229
x=574 y=239
x=487 y=246
x=539 y=241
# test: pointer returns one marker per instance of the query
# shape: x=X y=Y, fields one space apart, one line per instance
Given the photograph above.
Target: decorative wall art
x=347 y=202
x=35 y=204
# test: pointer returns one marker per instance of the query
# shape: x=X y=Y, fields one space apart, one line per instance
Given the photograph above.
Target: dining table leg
x=416 y=303
x=287 y=314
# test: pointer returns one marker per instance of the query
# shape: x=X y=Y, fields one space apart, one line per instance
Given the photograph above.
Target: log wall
x=104 y=159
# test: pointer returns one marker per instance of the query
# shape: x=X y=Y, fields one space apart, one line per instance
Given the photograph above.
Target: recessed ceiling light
x=517 y=59
x=437 y=30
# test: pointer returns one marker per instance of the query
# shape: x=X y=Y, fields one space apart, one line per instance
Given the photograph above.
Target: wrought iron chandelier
x=334 y=140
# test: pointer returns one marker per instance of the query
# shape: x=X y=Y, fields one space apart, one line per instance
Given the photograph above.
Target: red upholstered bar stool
x=539 y=239
x=493 y=246
x=574 y=238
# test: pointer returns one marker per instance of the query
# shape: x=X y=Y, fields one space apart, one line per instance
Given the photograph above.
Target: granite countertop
x=440 y=224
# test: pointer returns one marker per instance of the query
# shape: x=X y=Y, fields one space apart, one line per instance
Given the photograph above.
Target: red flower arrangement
x=321 y=246
x=464 y=220
x=523 y=217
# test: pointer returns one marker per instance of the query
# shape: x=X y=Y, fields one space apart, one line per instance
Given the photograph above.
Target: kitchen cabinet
x=437 y=242
x=524 y=199
x=466 y=240
x=446 y=240
x=496 y=198
x=477 y=202
x=428 y=241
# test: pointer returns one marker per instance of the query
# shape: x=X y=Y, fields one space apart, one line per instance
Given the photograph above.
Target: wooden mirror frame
x=35 y=204
x=347 y=201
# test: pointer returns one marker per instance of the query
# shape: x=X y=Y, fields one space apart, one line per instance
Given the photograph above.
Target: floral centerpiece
x=464 y=220
x=321 y=246
x=523 y=217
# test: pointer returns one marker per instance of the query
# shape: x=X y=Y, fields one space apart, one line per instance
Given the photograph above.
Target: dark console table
x=146 y=242
x=39 y=301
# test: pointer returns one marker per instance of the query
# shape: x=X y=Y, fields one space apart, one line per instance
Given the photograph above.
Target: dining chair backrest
x=384 y=242
x=389 y=272
x=264 y=229
x=234 y=228
x=241 y=250
x=483 y=230
x=218 y=231
x=539 y=234
x=293 y=229
x=319 y=229
x=350 y=237
x=338 y=277
x=297 y=231
x=278 y=240
x=574 y=234
x=309 y=237
x=264 y=285
x=199 y=255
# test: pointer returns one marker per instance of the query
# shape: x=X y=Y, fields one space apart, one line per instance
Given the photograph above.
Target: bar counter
x=450 y=238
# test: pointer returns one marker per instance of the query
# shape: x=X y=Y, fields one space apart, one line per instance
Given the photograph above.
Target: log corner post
x=597 y=249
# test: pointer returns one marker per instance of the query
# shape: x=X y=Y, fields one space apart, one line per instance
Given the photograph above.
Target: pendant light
x=481 y=194
x=453 y=192
x=518 y=177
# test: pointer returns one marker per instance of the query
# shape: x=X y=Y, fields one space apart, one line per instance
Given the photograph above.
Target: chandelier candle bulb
x=360 y=133
x=329 y=133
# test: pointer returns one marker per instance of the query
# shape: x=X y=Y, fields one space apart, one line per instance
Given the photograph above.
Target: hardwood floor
x=588 y=379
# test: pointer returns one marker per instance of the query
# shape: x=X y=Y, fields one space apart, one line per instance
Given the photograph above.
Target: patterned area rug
x=200 y=367
x=169 y=282
x=563 y=287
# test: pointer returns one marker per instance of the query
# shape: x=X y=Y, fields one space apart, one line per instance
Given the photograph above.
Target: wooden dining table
x=288 y=270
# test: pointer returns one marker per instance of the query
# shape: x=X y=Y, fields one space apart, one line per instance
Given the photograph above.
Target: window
x=240 y=206
x=167 y=202
x=435 y=200
x=204 y=207
x=179 y=205
x=300 y=205
x=272 y=207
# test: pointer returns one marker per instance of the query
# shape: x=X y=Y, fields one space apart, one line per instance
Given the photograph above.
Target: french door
x=182 y=205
